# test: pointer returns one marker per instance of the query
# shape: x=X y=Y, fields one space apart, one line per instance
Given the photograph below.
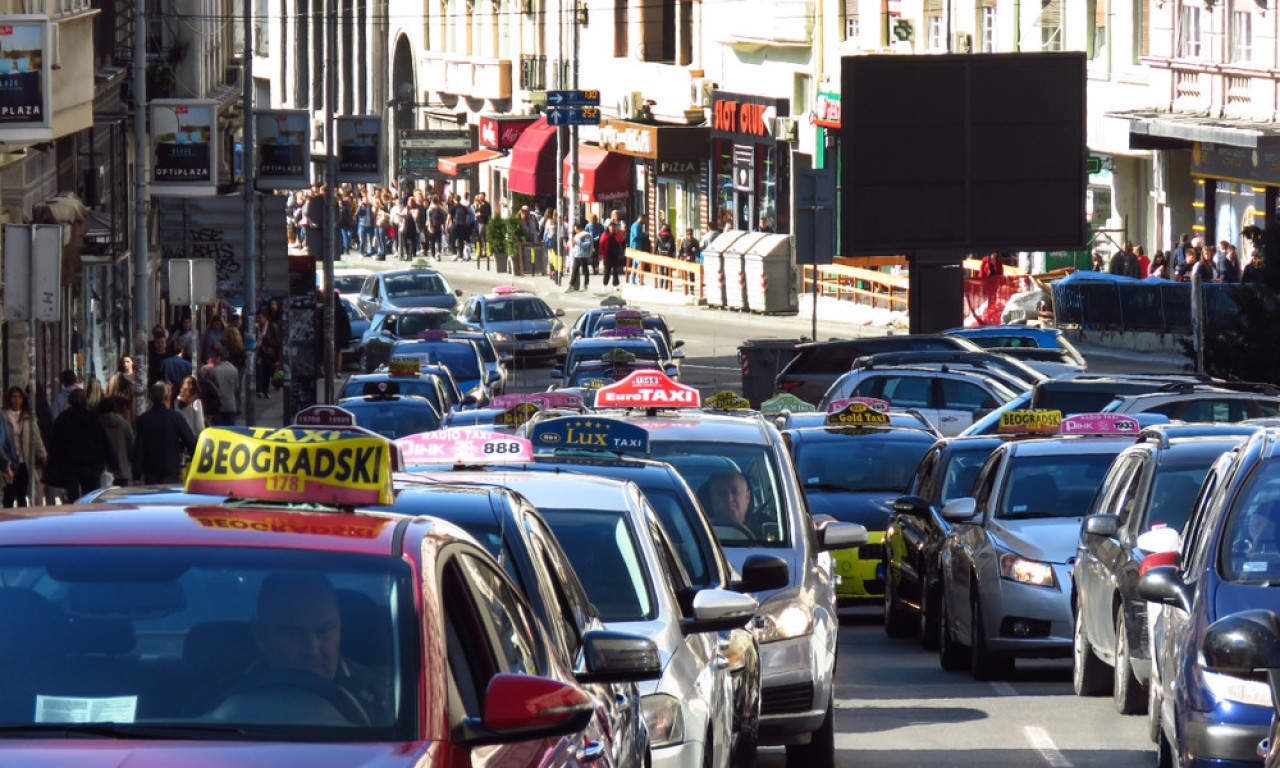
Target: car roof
x=1076 y=444
x=548 y=489
x=1006 y=330
x=461 y=504
x=699 y=425
x=415 y=311
x=832 y=343
x=832 y=433
x=407 y=400
x=208 y=525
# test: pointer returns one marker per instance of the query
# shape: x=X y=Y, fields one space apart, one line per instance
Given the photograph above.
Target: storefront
x=1235 y=187
x=604 y=178
x=500 y=134
x=750 y=168
x=669 y=172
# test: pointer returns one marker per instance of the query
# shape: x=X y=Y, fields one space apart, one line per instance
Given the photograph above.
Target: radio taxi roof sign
x=464 y=447
x=341 y=467
x=874 y=403
x=647 y=389
x=1099 y=424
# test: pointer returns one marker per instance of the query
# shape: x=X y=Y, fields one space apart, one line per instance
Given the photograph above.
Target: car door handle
x=591 y=751
x=949 y=418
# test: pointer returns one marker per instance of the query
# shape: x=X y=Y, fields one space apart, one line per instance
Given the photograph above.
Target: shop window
x=1141 y=30
x=1189 y=41
x=767 y=188
x=987 y=30
x=722 y=195
x=851 y=19
x=1050 y=24
x=1242 y=36
x=937 y=34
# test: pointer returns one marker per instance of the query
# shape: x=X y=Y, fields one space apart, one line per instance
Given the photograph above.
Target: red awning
x=533 y=160
x=603 y=176
x=449 y=165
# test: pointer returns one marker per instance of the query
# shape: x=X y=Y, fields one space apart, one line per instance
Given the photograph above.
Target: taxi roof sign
x=874 y=403
x=856 y=415
x=617 y=356
x=340 y=467
x=591 y=434
x=786 y=402
x=1039 y=422
x=629 y=318
x=727 y=401
x=622 y=332
x=505 y=290
x=540 y=399
x=647 y=389
x=516 y=415
x=324 y=416
x=432 y=334
x=404 y=365
x=464 y=447
x=1099 y=424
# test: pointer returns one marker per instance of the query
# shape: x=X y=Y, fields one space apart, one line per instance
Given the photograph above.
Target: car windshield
x=202 y=642
x=962 y=468
x=418 y=387
x=1003 y=342
x=750 y=516
x=597 y=377
x=416 y=322
x=604 y=553
x=864 y=463
x=1172 y=493
x=643 y=350
x=394 y=418
x=648 y=323
x=528 y=308
x=415 y=284
x=1062 y=485
x=1250 y=548
x=458 y=356
x=348 y=285
x=487 y=351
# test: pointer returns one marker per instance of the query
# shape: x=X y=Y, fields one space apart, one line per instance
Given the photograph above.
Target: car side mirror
x=559 y=313
x=1101 y=525
x=911 y=506
x=557 y=373
x=1163 y=585
x=763 y=573
x=524 y=707
x=677 y=344
x=618 y=657
x=959 y=510
x=837 y=535
x=717 y=610
x=506 y=360
x=1242 y=644
x=457 y=292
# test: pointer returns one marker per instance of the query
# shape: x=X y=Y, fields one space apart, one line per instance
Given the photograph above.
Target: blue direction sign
x=573 y=98
x=574 y=116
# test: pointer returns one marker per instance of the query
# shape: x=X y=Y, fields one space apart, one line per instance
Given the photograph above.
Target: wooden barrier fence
x=864 y=286
x=664 y=273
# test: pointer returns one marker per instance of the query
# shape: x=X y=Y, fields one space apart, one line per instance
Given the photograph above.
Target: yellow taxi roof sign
x=318 y=466
x=1038 y=422
x=726 y=401
x=404 y=366
x=856 y=414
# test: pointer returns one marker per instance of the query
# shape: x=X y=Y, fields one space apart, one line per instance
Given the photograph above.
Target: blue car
x=1045 y=349
x=460 y=356
x=359 y=324
x=1229 y=562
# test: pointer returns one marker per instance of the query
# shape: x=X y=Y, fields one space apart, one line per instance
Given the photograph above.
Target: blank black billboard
x=967 y=152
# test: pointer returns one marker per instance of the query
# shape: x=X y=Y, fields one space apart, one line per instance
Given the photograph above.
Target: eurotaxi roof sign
x=647 y=389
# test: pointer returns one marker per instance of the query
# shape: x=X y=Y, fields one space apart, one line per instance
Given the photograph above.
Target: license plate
x=536 y=345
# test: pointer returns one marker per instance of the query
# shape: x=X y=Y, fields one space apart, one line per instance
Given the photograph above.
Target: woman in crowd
x=30 y=457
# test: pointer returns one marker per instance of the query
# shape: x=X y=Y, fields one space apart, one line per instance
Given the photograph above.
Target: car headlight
x=500 y=338
x=663 y=718
x=560 y=331
x=1252 y=692
x=1020 y=569
x=783 y=621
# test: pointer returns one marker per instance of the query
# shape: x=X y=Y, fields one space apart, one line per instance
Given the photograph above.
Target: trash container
x=713 y=266
x=735 y=286
x=767 y=274
x=762 y=360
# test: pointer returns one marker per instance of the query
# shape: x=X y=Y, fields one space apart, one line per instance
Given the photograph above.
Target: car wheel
x=983 y=664
x=1166 y=757
x=1088 y=674
x=951 y=654
x=1130 y=698
x=929 y=624
x=820 y=752
x=897 y=622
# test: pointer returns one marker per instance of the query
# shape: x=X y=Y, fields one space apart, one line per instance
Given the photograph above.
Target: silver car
x=1006 y=562
x=627 y=563
x=520 y=323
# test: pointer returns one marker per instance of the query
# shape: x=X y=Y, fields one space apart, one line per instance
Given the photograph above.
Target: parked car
x=987 y=361
x=817 y=365
x=1014 y=338
x=950 y=400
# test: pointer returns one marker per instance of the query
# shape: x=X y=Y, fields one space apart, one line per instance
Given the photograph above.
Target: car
x=1240 y=645
x=1016 y=373
x=1006 y=562
x=391 y=414
x=950 y=400
x=588 y=322
x=347 y=279
x=916 y=532
x=852 y=470
x=1143 y=503
x=817 y=365
x=635 y=347
x=1225 y=565
x=359 y=324
x=461 y=356
x=388 y=326
x=432 y=382
x=1015 y=338
x=1204 y=403
x=651 y=322
x=593 y=374
x=796 y=625
x=522 y=324
x=495 y=363
x=625 y=560
x=404 y=288
x=167 y=633
x=1050 y=362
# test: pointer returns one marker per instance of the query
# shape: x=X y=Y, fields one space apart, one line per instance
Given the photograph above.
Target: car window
x=1052 y=486
x=908 y=391
x=997 y=342
x=984 y=481
x=863 y=464
x=1213 y=410
x=868 y=387
x=415 y=284
x=1250 y=550
x=392 y=418
x=965 y=396
x=709 y=468
x=833 y=359
x=471 y=662
x=679 y=517
x=608 y=561
x=1173 y=491
x=922 y=480
x=348 y=284
x=1127 y=497
x=1191 y=556
x=460 y=358
x=962 y=469
x=1115 y=485
x=413 y=324
x=370 y=287
x=509 y=622
x=498 y=310
x=570 y=598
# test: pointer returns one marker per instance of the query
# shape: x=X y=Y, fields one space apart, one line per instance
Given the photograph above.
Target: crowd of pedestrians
x=1190 y=258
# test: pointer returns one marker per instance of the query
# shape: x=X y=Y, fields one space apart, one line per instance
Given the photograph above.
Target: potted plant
x=495 y=239
x=516 y=237
x=160 y=81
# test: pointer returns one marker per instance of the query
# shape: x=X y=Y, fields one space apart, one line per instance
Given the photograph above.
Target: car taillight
x=787 y=386
x=1156 y=559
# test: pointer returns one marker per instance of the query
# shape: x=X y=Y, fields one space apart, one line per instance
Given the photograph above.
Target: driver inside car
x=728 y=497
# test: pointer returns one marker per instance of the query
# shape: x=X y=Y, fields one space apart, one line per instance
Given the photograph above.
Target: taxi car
x=388 y=326
x=651 y=322
x=387 y=412
x=437 y=386
x=852 y=468
x=634 y=346
x=796 y=625
x=1006 y=562
x=624 y=558
x=402 y=288
x=1227 y=563
x=594 y=374
x=168 y=634
x=523 y=325
x=462 y=358
x=1142 y=505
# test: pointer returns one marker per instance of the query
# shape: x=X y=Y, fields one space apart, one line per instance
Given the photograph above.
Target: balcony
x=467 y=76
x=758 y=24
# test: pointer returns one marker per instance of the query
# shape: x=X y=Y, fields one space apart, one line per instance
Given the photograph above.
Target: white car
x=951 y=400
x=624 y=558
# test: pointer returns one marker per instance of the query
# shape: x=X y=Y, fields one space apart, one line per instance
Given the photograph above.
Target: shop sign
x=630 y=139
x=826 y=111
x=359 y=149
x=284 y=148
x=502 y=133
x=745 y=118
x=25 y=78
x=1220 y=161
x=183 y=152
x=677 y=167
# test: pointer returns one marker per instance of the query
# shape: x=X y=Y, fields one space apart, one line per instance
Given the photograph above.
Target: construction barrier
x=664 y=273
x=864 y=286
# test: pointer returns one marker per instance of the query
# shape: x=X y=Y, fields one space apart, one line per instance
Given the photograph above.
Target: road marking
x=1041 y=743
x=1004 y=689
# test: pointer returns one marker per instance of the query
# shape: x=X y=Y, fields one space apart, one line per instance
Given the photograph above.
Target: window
x=1050 y=24
x=851 y=20
x=1052 y=486
x=620 y=42
x=1250 y=549
x=1242 y=36
x=1141 y=29
x=922 y=481
x=965 y=396
x=1098 y=13
x=509 y=623
x=908 y=391
x=987 y=30
x=608 y=560
x=937 y=34
x=1188 y=32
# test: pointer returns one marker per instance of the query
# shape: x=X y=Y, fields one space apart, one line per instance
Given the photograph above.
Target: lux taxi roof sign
x=647 y=389
x=464 y=447
x=592 y=434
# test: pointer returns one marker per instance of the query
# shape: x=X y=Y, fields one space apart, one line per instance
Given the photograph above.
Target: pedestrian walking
x=690 y=248
x=175 y=367
x=61 y=399
x=119 y=437
x=30 y=457
x=595 y=229
x=162 y=438
x=638 y=241
x=189 y=404
x=225 y=380
x=437 y=217
x=78 y=448
x=582 y=248
x=483 y=211
x=665 y=245
x=270 y=344
x=612 y=254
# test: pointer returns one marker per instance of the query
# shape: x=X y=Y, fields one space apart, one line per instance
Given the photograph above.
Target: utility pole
x=330 y=220
x=573 y=129
x=560 y=131
x=249 y=161
x=141 y=195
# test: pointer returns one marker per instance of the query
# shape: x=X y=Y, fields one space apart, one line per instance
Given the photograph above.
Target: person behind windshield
x=728 y=497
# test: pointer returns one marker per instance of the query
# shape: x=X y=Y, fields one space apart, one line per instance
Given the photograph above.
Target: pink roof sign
x=872 y=403
x=464 y=447
x=647 y=389
x=1099 y=424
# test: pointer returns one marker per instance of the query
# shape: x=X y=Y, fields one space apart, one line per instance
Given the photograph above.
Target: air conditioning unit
x=962 y=42
x=630 y=104
x=700 y=92
x=784 y=129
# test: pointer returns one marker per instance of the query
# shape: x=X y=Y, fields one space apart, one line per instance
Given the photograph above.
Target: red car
x=253 y=634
